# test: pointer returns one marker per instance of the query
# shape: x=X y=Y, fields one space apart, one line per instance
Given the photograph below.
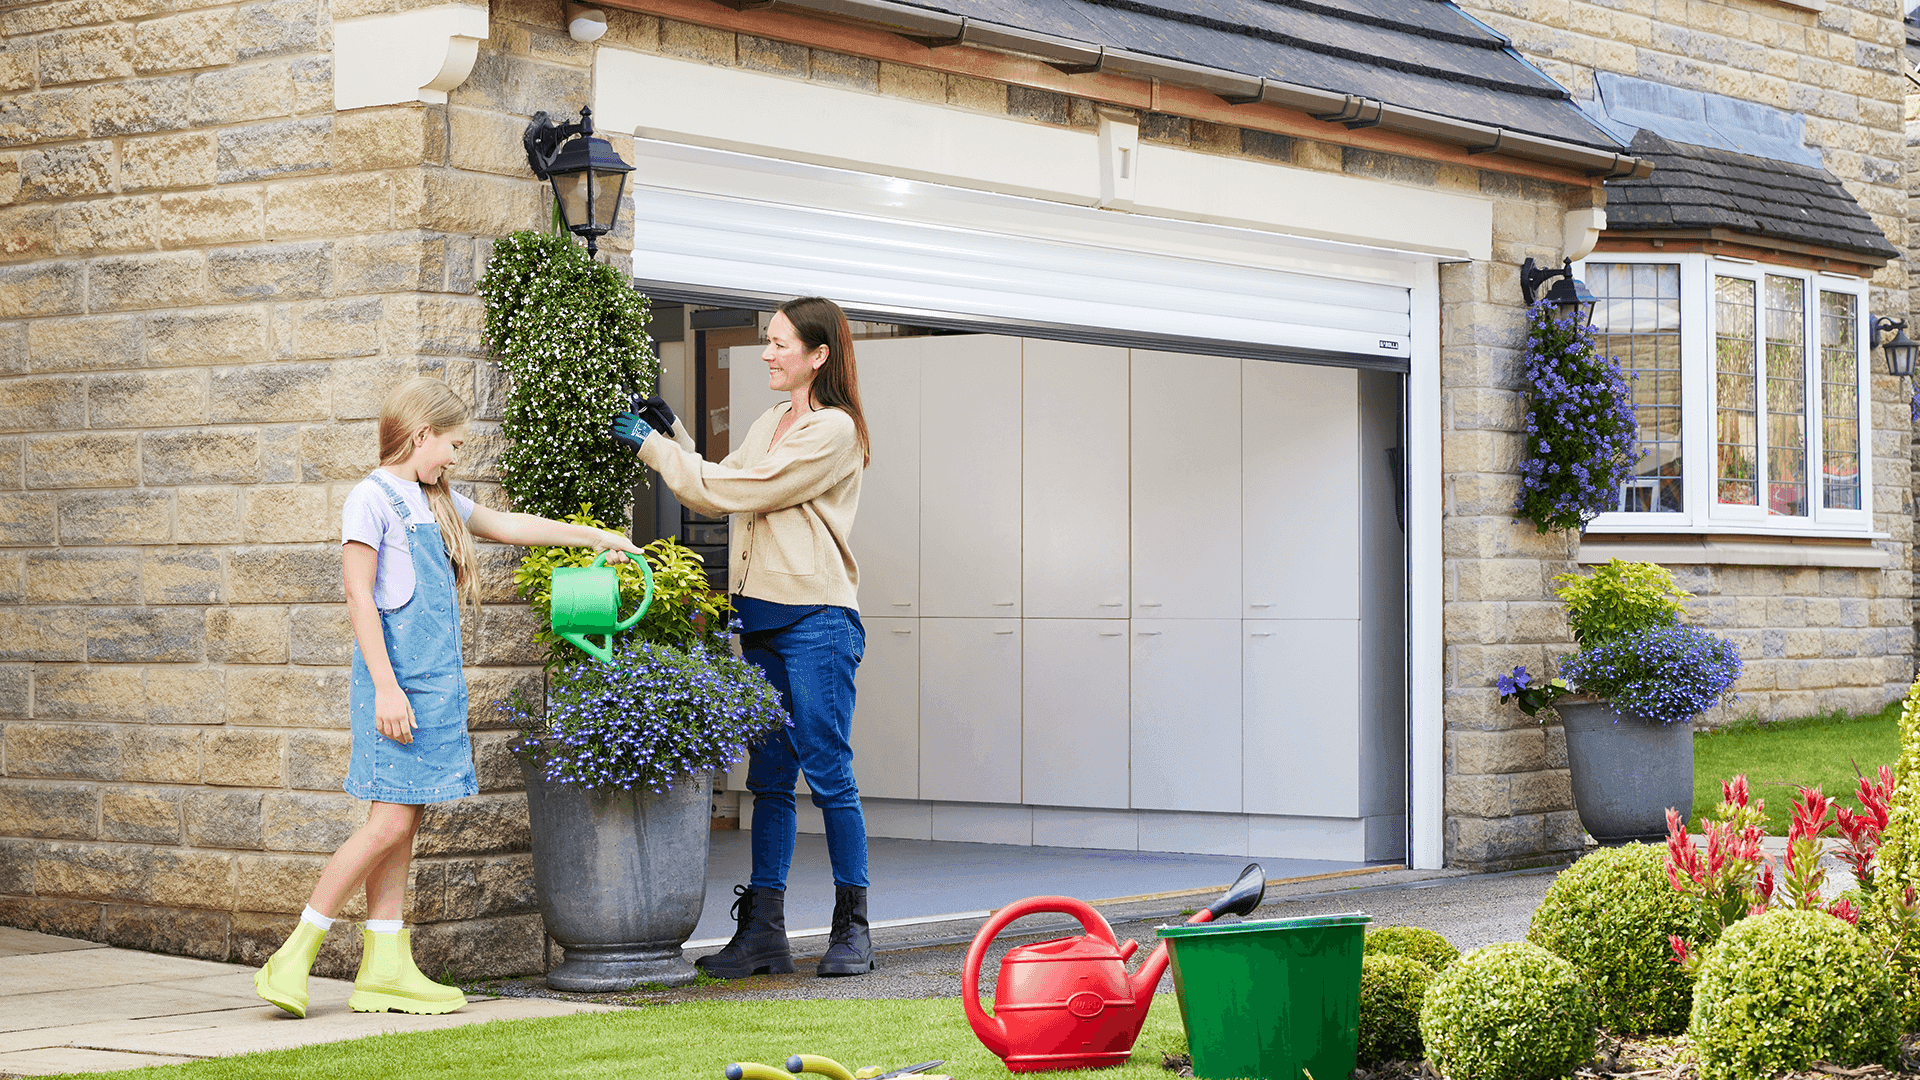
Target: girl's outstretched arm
x=391 y=712
x=526 y=530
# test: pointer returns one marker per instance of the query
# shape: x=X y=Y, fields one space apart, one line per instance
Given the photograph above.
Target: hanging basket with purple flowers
x=1581 y=442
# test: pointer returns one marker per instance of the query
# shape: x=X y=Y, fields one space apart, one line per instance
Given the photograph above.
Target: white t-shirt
x=369 y=518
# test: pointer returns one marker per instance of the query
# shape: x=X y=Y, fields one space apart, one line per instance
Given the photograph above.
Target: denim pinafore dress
x=423 y=642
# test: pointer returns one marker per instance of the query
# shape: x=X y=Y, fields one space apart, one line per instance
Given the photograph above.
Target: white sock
x=316 y=919
x=384 y=926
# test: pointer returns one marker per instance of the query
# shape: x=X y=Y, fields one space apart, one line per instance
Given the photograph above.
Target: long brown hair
x=430 y=403
x=819 y=321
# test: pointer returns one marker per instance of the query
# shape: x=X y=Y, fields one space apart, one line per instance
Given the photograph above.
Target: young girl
x=408 y=559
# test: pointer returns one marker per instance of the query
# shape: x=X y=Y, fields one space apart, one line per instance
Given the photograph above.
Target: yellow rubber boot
x=283 y=980
x=388 y=981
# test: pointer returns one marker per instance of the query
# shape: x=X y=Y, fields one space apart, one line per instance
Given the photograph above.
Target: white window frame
x=1699 y=404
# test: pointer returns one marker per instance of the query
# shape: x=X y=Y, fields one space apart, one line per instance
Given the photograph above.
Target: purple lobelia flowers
x=653 y=716
x=1581 y=442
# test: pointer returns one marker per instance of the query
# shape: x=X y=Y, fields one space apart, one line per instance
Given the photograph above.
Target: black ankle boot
x=850 y=949
x=759 y=939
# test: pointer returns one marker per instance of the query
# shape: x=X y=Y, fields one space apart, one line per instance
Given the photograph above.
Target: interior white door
x=1074 y=721
x=886 y=531
x=970 y=710
x=1074 y=471
x=886 y=714
x=970 y=476
x=747 y=392
x=1300 y=429
x=1186 y=735
x=1302 y=717
x=1186 y=486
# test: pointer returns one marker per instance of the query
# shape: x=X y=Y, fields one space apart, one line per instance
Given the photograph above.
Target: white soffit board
x=1135 y=275
x=726 y=108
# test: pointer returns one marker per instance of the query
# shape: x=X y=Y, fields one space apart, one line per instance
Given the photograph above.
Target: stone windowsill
x=1857 y=554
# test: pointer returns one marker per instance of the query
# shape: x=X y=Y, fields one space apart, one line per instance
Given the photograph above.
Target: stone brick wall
x=208 y=279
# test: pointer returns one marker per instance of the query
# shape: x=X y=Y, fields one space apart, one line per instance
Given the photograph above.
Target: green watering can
x=586 y=600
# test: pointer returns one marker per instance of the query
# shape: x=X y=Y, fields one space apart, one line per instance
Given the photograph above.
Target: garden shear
x=826 y=1066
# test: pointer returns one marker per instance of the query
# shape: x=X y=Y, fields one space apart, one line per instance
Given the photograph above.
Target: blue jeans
x=811 y=663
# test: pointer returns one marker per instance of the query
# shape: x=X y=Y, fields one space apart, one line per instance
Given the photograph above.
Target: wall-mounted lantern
x=1901 y=350
x=1569 y=294
x=587 y=176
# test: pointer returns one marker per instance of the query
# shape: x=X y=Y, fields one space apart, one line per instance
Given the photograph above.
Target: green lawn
x=695 y=1041
x=1778 y=758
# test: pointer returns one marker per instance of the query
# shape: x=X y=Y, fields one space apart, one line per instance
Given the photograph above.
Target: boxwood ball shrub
x=1392 y=989
x=1512 y=1011
x=1787 y=988
x=1610 y=915
x=1413 y=942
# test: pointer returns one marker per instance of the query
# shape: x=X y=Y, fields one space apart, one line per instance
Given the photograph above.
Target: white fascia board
x=678 y=101
x=1304 y=202
x=405 y=56
x=656 y=97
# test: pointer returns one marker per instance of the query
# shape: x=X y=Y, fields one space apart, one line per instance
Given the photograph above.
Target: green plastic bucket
x=1272 y=999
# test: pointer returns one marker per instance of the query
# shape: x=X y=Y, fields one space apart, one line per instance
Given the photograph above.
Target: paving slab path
x=77 y=1006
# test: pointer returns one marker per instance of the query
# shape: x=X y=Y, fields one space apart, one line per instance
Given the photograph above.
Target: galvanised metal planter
x=622 y=876
x=1627 y=770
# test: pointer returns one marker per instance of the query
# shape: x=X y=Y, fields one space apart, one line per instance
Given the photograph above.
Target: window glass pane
x=1737 y=438
x=1636 y=320
x=1786 y=474
x=1839 y=402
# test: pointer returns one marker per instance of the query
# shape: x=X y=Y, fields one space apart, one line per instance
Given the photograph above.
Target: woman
x=792 y=488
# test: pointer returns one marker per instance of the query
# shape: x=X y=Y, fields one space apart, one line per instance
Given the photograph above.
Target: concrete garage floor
x=936 y=881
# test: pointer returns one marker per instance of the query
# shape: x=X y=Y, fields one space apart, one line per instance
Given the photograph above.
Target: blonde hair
x=430 y=403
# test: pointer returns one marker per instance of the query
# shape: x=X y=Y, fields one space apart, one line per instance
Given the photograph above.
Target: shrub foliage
x=1512 y=1011
x=571 y=334
x=1392 y=989
x=1785 y=989
x=1413 y=942
x=1610 y=915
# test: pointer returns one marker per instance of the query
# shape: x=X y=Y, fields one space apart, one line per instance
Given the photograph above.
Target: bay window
x=1750 y=388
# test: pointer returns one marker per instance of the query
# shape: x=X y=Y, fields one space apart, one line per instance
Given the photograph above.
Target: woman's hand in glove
x=657 y=414
x=631 y=428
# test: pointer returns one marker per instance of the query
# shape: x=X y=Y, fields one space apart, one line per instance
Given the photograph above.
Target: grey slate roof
x=1703 y=187
x=1419 y=54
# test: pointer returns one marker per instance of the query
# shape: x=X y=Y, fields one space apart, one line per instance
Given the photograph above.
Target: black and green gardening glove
x=631 y=429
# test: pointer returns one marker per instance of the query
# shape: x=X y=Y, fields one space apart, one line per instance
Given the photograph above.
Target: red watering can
x=1069 y=1003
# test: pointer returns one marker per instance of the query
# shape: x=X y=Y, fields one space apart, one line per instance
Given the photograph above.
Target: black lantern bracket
x=1900 y=352
x=543 y=138
x=1569 y=294
x=586 y=175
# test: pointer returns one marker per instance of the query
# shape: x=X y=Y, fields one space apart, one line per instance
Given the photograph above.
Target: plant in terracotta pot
x=1628 y=696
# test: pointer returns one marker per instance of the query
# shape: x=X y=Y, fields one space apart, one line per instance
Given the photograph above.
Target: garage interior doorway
x=1115 y=598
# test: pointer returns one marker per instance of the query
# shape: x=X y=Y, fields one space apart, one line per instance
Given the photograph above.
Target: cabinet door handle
x=1003 y=603
x=1003 y=631
x=1148 y=633
x=903 y=603
x=1114 y=603
x=1113 y=633
x=1259 y=605
x=1148 y=603
x=1263 y=633
x=899 y=630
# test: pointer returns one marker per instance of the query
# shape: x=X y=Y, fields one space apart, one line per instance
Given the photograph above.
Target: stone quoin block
x=147 y=399
x=80 y=576
x=49 y=811
x=273 y=150
x=247 y=634
x=185 y=694
x=141 y=815
x=157 y=634
x=287 y=697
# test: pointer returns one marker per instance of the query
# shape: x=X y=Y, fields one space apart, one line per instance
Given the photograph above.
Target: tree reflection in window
x=1636 y=319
